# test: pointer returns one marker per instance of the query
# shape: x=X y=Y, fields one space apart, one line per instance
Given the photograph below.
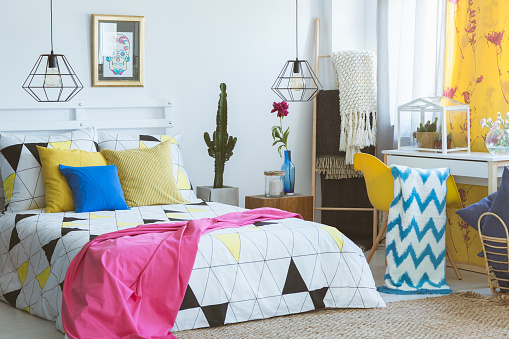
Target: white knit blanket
x=356 y=81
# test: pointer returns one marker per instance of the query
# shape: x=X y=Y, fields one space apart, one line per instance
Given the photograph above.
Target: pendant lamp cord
x=51 y=16
x=297 y=29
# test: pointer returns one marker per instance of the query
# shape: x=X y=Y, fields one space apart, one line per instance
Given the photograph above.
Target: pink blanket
x=131 y=283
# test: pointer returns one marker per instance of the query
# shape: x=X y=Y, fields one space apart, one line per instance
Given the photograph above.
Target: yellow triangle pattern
x=61 y=144
x=27 y=309
x=232 y=242
x=142 y=145
x=9 y=186
x=125 y=224
x=167 y=137
x=182 y=182
x=173 y=215
x=335 y=234
x=95 y=216
x=22 y=272
x=67 y=224
x=195 y=210
x=43 y=277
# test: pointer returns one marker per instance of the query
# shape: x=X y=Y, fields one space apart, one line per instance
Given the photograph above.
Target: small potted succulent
x=438 y=140
x=425 y=135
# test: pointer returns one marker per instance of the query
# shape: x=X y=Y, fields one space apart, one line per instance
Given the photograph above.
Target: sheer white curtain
x=411 y=43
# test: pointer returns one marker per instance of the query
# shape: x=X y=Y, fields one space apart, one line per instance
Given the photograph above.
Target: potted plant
x=438 y=140
x=425 y=135
x=220 y=147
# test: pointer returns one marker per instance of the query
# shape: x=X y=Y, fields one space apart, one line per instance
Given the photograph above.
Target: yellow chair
x=380 y=187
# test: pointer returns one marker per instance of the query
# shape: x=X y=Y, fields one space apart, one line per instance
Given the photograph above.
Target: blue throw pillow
x=95 y=188
x=471 y=214
x=493 y=228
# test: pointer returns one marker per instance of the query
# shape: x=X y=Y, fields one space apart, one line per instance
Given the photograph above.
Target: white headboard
x=86 y=113
x=138 y=115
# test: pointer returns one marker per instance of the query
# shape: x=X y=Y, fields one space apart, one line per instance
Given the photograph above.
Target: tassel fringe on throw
x=356 y=81
x=334 y=167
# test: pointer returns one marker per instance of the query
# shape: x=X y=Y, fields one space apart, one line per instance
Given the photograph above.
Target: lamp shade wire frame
x=285 y=87
x=52 y=79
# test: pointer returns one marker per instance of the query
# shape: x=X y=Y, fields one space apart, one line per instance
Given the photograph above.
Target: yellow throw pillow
x=58 y=193
x=146 y=175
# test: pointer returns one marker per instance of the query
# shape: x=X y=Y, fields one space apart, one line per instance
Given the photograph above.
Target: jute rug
x=459 y=315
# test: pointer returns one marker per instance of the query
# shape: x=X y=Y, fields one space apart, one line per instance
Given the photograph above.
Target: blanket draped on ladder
x=131 y=283
x=356 y=81
x=415 y=241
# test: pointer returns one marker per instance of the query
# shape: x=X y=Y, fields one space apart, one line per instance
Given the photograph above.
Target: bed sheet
x=258 y=271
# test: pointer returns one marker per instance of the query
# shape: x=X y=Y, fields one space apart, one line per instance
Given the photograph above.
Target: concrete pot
x=226 y=195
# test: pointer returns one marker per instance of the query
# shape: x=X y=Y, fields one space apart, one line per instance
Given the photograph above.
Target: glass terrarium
x=434 y=124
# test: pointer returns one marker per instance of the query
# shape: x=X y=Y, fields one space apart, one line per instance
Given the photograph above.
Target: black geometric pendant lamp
x=297 y=82
x=52 y=78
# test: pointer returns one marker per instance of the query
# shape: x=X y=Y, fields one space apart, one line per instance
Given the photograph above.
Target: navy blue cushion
x=471 y=214
x=493 y=228
x=95 y=188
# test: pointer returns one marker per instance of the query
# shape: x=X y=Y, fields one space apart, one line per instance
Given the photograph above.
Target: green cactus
x=428 y=127
x=221 y=146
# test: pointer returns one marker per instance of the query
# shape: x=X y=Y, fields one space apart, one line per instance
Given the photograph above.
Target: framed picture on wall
x=118 y=50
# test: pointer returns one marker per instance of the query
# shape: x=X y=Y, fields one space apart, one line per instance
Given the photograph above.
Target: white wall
x=354 y=24
x=191 y=47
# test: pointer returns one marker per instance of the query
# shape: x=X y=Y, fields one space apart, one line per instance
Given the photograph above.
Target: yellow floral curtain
x=477 y=73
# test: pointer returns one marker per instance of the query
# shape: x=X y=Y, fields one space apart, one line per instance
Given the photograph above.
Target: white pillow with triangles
x=20 y=165
x=120 y=142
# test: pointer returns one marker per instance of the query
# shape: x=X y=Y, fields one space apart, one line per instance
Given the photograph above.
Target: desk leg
x=492 y=177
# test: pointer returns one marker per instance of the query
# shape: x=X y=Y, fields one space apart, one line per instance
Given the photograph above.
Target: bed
x=257 y=271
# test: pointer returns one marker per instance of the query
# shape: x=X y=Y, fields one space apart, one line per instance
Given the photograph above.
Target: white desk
x=473 y=168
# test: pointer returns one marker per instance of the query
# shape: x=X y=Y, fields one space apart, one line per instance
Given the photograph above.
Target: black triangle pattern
x=33 y=149
x=69 y=219
x=148 y=138
x=317 y=297
x=14 y=239
x=215 y=314
x=92 y=237
x=61 y=285
x=198 y=204
x=263 y=223
x=66 y=230
x=172 y=211
x=12 y=155
x=177 y=219
x=190 y=300
x=152 y=221
x=294 y=282
x=12 y=296
x=49 y=248
x=20 y=217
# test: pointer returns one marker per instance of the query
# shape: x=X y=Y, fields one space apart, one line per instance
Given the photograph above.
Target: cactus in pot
x=425 y=135
x=220 y=147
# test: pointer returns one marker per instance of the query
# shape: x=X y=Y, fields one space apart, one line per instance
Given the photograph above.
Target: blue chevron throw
x=415 y=243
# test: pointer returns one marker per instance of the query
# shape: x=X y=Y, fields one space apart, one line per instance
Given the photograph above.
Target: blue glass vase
x=289 y=168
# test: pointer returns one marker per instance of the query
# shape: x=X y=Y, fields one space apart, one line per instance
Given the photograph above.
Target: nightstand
x=297 y=203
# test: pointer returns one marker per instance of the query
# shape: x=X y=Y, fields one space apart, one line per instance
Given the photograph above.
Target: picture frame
x=118 y=50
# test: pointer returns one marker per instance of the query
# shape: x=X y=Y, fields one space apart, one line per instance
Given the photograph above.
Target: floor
x=18 y=324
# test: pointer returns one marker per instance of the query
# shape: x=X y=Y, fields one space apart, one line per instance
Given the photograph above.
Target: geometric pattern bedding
x=257 y=271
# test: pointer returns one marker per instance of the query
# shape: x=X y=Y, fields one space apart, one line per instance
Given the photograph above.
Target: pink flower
x=495 y=37
x=479 y=80
x=454 y=2
x=466 y=97
x=450 y=92
x=483 y=123
x=281 y=108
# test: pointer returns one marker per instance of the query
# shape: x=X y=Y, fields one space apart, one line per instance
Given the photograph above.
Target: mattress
x=258 y=271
